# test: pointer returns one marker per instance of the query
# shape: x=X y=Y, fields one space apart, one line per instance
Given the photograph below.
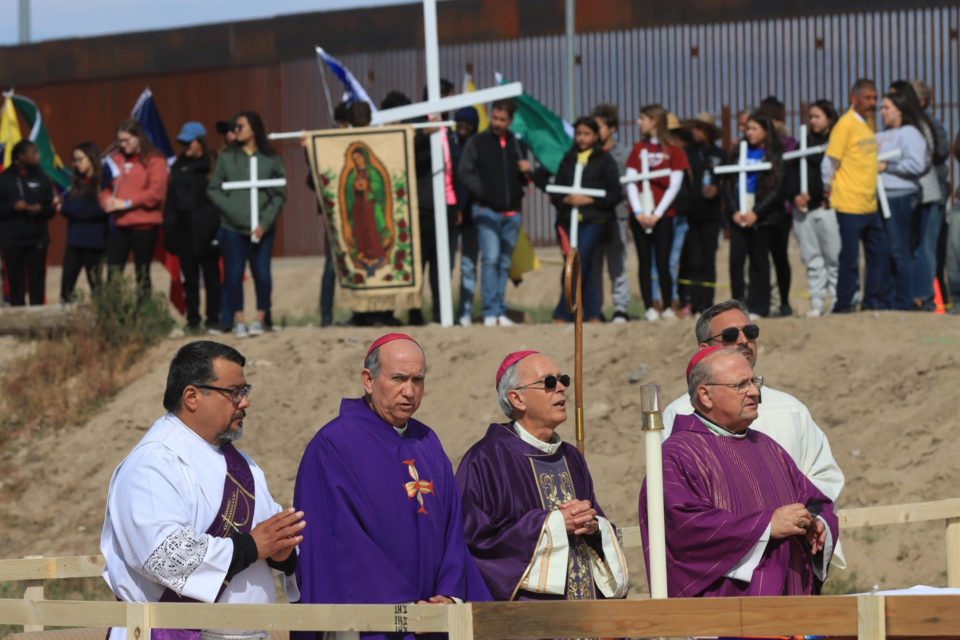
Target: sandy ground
x=881 y=385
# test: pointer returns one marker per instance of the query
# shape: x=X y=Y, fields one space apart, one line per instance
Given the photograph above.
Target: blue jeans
x=328 y=285
x=237 y=250
x=899 y=228
x=468 y=269
x=854 y=228
x=924 y=252
x=591 y=236
x=496 y=236
x=680 y=227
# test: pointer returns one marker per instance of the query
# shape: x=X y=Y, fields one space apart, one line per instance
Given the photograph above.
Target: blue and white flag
x=352 y=90
x=146 y=113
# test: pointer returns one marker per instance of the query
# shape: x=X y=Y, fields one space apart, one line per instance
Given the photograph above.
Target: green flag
x=546 y=133
x=50 y=162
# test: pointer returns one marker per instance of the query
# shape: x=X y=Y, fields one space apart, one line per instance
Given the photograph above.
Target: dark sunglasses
x=549 y=382
x=730 y=334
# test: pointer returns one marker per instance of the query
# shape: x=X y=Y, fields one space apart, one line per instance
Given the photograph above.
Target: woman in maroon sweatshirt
x=134 y=199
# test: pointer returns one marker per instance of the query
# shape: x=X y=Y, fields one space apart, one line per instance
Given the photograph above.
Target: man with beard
x=189 y=517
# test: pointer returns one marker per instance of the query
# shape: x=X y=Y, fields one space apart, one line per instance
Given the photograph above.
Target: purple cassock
x=719 y=496
x=509 y=488
x=383 y=516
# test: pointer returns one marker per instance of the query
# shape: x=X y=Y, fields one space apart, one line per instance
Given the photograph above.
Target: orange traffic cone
x=940 y=308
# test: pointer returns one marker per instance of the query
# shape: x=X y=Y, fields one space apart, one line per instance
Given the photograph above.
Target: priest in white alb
x=189 y=517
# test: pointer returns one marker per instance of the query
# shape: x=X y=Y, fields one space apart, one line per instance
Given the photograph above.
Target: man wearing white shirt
x=190 y=518
x=531 y=517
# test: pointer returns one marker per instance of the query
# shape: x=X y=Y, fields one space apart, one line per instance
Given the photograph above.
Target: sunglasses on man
x=549 y=382
x=730 y=334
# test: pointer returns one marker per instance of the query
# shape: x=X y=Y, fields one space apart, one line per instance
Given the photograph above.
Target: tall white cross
x=576 y=190
x=802 y=153
x=743 y=167
x=436 y=104
x=254 y=185
x=893 y=154
x=644 y=176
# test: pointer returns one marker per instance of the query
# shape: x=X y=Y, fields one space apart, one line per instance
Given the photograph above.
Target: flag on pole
x=9 y=131
x=146 y=113
x=548 y=135
x=50 y=163
x=352 y=90
x=470 y=87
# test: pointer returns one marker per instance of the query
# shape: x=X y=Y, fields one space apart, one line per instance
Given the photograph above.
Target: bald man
x=530 y=513
x=381 y=489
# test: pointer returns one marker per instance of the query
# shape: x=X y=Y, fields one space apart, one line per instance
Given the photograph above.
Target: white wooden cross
x=802 y=153
x=576 y=190
x=644 y=176
x=743 y=167
x=254 y=185
x=893 y=154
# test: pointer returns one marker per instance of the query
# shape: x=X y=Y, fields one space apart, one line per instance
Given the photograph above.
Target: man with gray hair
x=781 y=416
x=531 y=517
x=381 y=490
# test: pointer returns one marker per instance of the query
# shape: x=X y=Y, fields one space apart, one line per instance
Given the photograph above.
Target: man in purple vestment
x=380 y=489
x=530 y=513
x=741 y=519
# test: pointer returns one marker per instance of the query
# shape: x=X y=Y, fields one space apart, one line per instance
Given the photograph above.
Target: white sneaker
x=490 y=321
x=669 y=314
x=504 y=321
x=256 y=329
x=814 y=313
x=465 y=320
x=620 y=317
x=651 y=314
x=240 y=331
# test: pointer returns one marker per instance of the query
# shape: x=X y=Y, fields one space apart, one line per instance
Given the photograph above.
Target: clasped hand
x=579 y=517
x=795 y=520
x=745 y=218
x=277 y=536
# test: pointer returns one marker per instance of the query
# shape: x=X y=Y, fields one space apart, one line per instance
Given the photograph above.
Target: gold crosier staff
x=572 y=291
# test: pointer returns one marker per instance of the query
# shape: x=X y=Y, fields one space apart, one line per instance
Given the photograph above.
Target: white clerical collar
x=530 y=439
x=720 y=431
x=401 y=430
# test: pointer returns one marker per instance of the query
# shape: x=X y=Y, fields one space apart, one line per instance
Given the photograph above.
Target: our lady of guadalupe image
x=366 y=207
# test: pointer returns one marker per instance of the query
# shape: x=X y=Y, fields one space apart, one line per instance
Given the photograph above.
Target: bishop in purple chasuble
x=510 y=491
x=383 y=514
x=720 y=493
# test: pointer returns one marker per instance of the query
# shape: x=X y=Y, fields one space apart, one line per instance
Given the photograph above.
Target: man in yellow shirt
x=850 y=178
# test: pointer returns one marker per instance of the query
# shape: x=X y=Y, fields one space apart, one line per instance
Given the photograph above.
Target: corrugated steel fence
x=720 y=68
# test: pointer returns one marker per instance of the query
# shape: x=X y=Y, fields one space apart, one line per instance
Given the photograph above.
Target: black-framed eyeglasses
x=549 y=382
x=233 y=394
x=740 y=387
x=730 y=334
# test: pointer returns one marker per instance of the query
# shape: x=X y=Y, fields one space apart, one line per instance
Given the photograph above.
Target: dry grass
x=65 y=378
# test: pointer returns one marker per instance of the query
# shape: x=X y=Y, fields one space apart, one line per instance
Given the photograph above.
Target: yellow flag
x=9 y=131
x=469 y=87
x=524 y=258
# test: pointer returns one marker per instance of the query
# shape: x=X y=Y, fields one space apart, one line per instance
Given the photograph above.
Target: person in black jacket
x=87 y=222
x=597 y=215
x=814 y=222
x=705 y=213
x=190 y=226
x=26 y=206
x=752 y=230
x=494 y=170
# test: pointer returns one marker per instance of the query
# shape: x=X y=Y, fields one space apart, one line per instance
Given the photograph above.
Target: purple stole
x=235 y=516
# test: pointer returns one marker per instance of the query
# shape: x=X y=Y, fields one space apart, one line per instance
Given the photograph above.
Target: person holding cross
x=652 y=220
x=758 y=214
x=240 y=239
x=814 y=222
x=531 y=516
x=596 y=214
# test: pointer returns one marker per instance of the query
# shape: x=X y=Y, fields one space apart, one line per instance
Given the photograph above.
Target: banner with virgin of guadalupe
x=367 y=187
